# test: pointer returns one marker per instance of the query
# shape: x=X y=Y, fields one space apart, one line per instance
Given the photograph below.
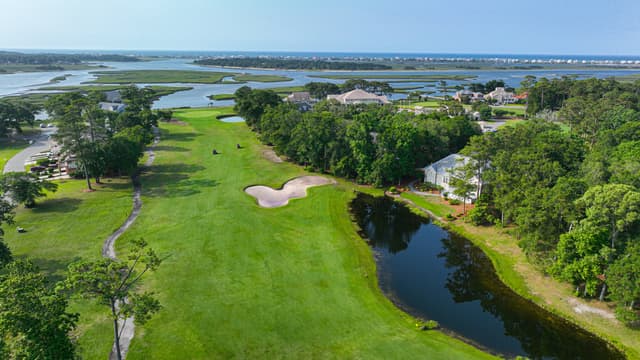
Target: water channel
x=433 y=274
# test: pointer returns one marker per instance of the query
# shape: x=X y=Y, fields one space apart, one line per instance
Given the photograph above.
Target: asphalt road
x=41 y=143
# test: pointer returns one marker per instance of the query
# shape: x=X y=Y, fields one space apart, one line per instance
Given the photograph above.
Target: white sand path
x=293 y=189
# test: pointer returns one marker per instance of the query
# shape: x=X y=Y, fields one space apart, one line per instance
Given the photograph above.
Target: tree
x=73 y=131
x=12 y=114
x=614 y=207
x=34 y=322
x=320 y=90
x=462 y=184
x=251 y=104
x=113 y=283
x=25 y=188
x=624 y=283
x=582 y=257
x=528 y=82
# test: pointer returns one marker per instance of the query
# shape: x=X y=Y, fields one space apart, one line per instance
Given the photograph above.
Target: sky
x=580 y=27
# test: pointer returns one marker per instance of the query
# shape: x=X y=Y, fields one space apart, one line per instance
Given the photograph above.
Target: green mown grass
x=440 y=210
x=10 y=147
x=71 y=225
x=243 y=281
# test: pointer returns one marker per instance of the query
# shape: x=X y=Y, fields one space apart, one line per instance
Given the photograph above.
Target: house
x=110 y=106
x=501 y=96
x=359 y=96
x=113 y=96
x=522 y=96
x=442 y=171
x=302 y=99
x=469 y=95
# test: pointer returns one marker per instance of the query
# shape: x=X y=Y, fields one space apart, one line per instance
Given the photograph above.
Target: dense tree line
x=572 y=189
x=297 y=64
x=104 y=142
x=320 y=90
x=372 y=144
x=14 y=114
x=7 y=57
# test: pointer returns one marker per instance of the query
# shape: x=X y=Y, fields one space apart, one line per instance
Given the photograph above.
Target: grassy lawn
x=399 y=76
x=10 y=147
x=527 y=280
x=433 y=204
x=247 y=282
x=67 y=226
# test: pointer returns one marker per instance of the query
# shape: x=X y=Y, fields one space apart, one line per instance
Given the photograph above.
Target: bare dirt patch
x=271 y=155
x=293 y=189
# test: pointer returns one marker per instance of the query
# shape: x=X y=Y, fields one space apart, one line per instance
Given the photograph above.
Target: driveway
x=41 y=143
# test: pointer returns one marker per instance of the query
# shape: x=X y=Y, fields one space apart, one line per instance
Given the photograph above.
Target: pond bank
x=524 y=278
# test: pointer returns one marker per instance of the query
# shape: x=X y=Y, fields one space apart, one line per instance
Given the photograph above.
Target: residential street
x=41 y=143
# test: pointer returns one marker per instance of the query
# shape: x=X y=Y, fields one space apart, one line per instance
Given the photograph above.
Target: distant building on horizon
x=359 y=96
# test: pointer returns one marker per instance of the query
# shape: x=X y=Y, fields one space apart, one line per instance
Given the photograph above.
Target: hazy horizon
x=545 y=27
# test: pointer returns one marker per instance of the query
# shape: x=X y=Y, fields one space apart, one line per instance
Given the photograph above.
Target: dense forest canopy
x=7 y=57
x=370 y=143
x=571 y=188
x=298 y=64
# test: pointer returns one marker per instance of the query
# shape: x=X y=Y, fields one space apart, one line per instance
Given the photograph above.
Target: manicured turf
x=8 y=148
x=70 y=225
x=243 y=281
x=432 y=204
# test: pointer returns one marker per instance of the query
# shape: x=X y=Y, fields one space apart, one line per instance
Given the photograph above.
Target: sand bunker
x=293 y=189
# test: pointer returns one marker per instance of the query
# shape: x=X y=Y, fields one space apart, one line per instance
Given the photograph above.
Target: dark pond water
x=433 y=274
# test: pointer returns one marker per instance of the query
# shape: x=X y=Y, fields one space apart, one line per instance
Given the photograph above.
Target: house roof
x=450 y=162
x=110 y=106
x=358 y=95
x=299 y=96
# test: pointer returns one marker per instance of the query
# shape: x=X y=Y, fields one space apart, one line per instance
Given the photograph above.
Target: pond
x=231 y=119
x=433 y=274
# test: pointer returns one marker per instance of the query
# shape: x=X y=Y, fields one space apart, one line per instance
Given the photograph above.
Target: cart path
x=127 y=327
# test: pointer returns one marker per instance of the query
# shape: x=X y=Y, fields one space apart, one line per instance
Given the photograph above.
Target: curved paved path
x=40 y=143
x=127 y=327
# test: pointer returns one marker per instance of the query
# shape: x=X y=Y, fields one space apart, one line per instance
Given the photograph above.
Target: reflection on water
x=441 y=276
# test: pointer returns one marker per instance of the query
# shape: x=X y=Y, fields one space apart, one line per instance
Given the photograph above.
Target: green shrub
x=393 y=190
x=450 y=217
x=455 y=202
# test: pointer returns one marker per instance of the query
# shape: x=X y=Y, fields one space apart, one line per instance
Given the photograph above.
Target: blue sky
x=520 y=27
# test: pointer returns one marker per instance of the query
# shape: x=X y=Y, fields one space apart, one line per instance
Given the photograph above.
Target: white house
x=358 y=96
x=442 y=171
x=501 y=96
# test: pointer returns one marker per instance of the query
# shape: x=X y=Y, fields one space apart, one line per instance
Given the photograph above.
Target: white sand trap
x=292 y=189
